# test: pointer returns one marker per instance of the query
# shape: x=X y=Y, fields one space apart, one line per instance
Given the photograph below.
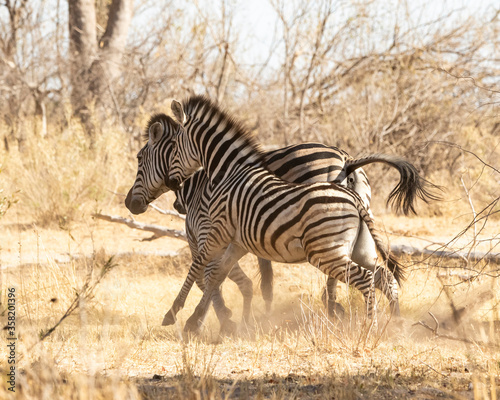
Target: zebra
x=244 y=218
x=307 y=162
x=193 y=199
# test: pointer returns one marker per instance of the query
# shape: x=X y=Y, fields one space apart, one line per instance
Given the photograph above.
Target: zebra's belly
x=289 y=252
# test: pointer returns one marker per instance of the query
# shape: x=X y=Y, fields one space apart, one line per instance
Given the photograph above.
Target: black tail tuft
x=410 y=186
x=397 y=269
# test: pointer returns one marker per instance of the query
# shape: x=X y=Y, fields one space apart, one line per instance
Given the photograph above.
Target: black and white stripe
x=306 y=163
x=252 y=210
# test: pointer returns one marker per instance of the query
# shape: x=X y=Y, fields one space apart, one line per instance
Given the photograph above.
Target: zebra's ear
x=155 y=133
x=178 y=112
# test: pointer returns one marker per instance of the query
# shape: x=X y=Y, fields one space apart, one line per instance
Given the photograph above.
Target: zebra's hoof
x=169 y=319
x=228 y=328
x=193 y=325
x=335 y=310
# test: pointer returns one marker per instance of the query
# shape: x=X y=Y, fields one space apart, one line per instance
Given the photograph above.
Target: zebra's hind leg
x=359 y=277
x=385 y=282
x=329 y=297
x=365 y=253
x=266 y=282
x=238 y=276
x=213 y=279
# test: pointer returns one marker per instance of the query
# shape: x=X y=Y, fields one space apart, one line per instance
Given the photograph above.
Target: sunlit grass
x=113 y=344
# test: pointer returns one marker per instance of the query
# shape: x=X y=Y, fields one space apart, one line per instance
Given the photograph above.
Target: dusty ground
x=112 y=345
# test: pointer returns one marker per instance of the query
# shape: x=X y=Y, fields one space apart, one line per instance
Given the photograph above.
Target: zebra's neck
x=221 y=144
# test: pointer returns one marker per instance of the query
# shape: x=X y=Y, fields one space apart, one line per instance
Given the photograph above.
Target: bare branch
x=158 y=231
x=167 y=212
x=465 y=151
x=435 y=331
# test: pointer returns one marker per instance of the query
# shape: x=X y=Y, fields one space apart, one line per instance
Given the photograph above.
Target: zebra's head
x=183 y=161
x=152 y=172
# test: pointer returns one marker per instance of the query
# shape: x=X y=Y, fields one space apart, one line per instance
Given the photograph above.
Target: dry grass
x=62 y=178
x=113 y=347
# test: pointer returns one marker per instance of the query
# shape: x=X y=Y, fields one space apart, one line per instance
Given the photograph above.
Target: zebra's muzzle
x=136 y=205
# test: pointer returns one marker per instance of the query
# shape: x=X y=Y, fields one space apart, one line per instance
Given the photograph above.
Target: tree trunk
x=83 y=46
x=95 y=65
x=107 y=67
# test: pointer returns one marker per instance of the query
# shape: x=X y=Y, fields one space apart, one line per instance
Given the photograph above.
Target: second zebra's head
x=183 y=161
x=151 y=180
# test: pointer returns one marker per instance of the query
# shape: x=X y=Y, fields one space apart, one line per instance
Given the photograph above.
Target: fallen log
x=403 y=249
x=157 y=230
x=167 y=212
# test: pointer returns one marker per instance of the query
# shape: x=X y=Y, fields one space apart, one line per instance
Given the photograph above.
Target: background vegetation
x=395 y=77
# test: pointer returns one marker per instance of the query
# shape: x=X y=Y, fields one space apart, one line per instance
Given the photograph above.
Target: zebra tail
x=393 y=264
x=410 y=186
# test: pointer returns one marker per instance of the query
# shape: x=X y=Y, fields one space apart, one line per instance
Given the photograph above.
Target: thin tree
x=95 y=63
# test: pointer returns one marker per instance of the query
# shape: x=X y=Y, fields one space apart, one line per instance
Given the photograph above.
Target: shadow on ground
x=302 y=387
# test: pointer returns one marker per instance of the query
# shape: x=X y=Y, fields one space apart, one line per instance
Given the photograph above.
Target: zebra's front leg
x=171 y=316
x=193 y=275
x=228 y=327
x=329 y=297
x=213 y=280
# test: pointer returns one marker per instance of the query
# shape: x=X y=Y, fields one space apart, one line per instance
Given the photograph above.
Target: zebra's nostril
x=137 y=205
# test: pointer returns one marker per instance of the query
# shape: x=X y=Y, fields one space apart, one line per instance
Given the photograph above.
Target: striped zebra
x=253 y=210
x=308 y=162
x=297 y=163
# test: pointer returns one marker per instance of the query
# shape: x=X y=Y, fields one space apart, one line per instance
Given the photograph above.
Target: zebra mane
x=199 y=102
x=166 y=120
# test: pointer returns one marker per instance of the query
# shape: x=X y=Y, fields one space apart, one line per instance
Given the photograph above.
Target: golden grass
x=113 y=347
x=58 y=179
